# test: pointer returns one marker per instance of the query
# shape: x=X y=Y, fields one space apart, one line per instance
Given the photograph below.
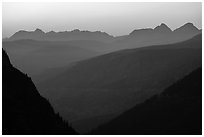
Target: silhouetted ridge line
x=24 y=110
x=176 y=111
x=163 y=28
x=119 y=80
x=76 y=34
x=186 y=27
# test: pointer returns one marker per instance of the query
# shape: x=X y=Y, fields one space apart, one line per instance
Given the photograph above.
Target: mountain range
x=184 y=32
x=76 y=34
x=91 y=78
x=161 y=34
x=60 y=49
x=112 y=83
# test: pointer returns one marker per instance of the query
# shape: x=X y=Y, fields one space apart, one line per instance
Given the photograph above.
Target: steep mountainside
x=24 y=110
x=114 y=82
x=178 y=110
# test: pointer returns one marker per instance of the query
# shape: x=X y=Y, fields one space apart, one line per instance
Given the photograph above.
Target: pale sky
x=114 y=18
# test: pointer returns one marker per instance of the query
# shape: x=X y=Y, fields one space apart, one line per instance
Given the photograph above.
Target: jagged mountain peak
x=189 y=24
x=76 y=34
x=76 y=30
x=39 y=30
x=188 y=27
x=162 y=28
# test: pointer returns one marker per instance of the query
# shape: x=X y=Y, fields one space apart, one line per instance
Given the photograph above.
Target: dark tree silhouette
x=24 y=110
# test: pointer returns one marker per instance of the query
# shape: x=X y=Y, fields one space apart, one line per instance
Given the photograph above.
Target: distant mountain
x=187 y=28
x=24 y=110
x=83 y=71
x=161 y=34
x=115 y=82
x=107 y=63
x=176 y=111
x=60 y=49
x=163 y=28
x=186 y=31
x=62 y=36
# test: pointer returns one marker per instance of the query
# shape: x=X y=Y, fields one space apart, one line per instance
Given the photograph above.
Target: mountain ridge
x=24 y=110
x=176 y=111
x=77 y=34
x=61 y=35
x=121 y=78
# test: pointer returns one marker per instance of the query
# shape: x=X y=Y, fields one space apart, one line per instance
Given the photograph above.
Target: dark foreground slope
x=24 y=111
x=178 y=110
x=113 y=83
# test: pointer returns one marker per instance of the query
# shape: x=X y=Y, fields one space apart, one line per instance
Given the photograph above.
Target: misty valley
x=89 y=82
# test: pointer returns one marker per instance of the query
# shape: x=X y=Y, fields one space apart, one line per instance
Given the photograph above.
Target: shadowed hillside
x=24 y=111
x=115 y=82
x=86 y=75
x=178 y=110
x=106 y=70
x=32 y=57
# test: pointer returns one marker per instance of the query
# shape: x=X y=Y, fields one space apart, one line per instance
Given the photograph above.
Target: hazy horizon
x=145 y=80
x=113 y=18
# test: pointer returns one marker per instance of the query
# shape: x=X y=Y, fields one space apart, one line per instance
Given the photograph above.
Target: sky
x=114 y=18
